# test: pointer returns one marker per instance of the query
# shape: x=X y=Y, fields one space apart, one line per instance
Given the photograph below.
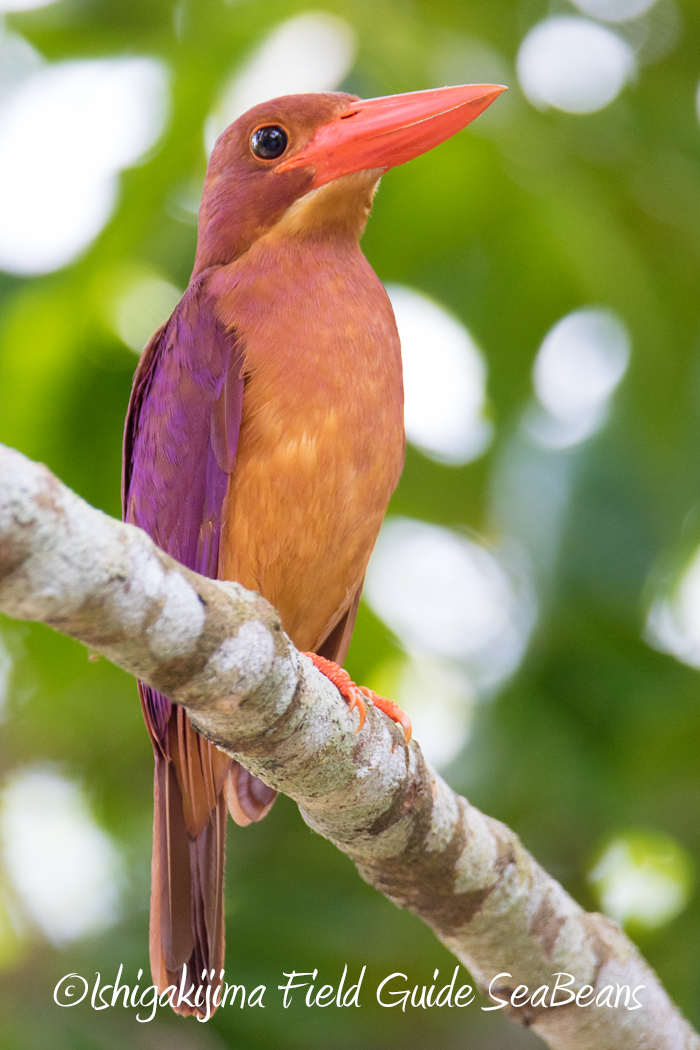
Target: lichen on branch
x=220 y=651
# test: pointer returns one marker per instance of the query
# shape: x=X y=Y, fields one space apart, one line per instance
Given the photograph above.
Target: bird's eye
x=269 y=143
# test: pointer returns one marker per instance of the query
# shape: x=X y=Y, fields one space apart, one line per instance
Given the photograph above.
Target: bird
x=263 y=439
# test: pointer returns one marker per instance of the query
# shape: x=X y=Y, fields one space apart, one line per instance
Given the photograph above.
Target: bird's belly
x=304 y=510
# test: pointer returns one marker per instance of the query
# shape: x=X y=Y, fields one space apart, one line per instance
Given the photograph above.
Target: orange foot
x=355 y=694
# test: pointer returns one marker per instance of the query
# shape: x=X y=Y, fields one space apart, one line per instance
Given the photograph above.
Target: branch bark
x=220 y=650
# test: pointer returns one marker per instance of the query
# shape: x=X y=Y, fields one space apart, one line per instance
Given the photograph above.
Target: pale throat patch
x=343 y=204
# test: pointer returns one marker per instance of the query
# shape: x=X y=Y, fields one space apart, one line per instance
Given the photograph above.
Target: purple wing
x=179 y=451
x=180 y=444
x=182 y=432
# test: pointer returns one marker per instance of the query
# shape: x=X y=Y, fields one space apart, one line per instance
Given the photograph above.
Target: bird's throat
x=338 y=209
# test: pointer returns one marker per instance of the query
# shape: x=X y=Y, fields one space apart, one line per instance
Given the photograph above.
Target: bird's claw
x=392 y=710
x=355 y=700
x=355 y=695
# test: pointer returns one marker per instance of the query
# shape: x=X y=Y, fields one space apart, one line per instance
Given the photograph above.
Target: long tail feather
x=189 y=845
x=187 y=893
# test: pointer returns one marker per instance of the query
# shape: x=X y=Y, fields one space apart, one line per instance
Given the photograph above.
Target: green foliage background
x=510 y=225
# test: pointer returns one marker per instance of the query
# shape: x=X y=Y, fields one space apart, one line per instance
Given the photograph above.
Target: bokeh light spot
x=643 y=879
x=65 y=133
x=444 y=378
x=446 y=595
x=141 y=308
x=673 y=624
x=312 y=52
x=63 y=867
x=573 y=64
x=579 y=365
x=438 y=698
x=18 y=60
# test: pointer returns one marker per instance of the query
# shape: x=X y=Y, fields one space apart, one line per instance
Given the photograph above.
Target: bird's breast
x=321 y=442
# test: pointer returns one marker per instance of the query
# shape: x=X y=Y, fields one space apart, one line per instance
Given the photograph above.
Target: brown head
x=311 y=163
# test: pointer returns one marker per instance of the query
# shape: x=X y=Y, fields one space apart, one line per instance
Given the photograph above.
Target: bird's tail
x=187 y=893
x=194 y=782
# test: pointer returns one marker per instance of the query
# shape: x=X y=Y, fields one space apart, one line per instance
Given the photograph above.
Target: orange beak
x=383 y=132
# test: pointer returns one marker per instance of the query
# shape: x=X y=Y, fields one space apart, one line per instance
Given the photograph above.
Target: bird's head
x=308 y=165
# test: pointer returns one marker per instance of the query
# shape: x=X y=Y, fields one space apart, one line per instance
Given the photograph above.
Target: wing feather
x=180 y=448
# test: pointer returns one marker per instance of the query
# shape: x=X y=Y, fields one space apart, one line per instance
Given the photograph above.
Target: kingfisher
x=264 y=438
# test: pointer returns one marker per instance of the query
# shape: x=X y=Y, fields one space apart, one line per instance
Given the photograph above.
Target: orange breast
x=322 y=440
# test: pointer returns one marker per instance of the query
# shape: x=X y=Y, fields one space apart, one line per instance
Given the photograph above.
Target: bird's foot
x=391 y=709
x=350 y=692
x=355 y=695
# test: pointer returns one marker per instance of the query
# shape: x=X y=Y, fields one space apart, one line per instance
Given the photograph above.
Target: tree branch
x=219 y=650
